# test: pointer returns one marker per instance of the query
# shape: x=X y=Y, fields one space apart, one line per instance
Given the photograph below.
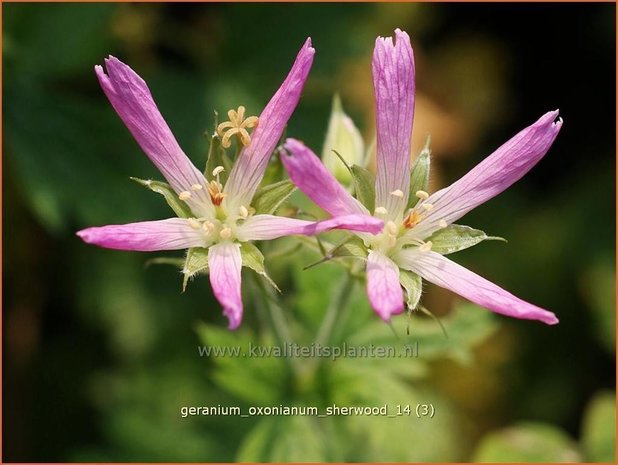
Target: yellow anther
x=218 y=170
x=193 y=223
x=214 y=189
x=428 y=206
x=236 y=125
x=381 y=211
x=184 y=195
x=243 y=212
x=196 y=187
x=225 y=233
x=391 y=228
x=422 y=195
x=442 y=224
x=397 y=193
x=426 y=247
x=413 y=218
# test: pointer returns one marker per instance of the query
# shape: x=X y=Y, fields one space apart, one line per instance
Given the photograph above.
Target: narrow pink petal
x=385 y=292
x=443 y=272
x=253 y=159
x=224 y=264
x=132 y=100
x=311 y=176
x=146 y=236
x=265 y=227
x=496 y=173
x=393 y=82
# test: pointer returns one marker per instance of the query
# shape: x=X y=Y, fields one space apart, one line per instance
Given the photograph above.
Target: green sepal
x=269 y=198
x=419 y=175
x=456 y=237
x=217 y=157
x=363 y=181
x=413 y=284
x=180 y=208
x=196 y=262
x=364 y=186
x=253 y=258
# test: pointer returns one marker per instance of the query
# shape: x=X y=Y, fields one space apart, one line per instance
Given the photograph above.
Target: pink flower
x=403 y=244
x=222 y=215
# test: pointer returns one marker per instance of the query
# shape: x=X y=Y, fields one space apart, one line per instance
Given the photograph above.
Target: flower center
x=237 y=125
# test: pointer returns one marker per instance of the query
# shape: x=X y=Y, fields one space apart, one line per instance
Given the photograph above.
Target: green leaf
x=257 y=380
x=413 y=284
x=525 y=443
x=419 y=175
x=293 y=438
x=467 y=326
x=217 y=157
x=599 y=429
x=196 y=262
x=269 y=198
x=180 y=208
x=364 y=186
x=253 y=258
x=456 y=237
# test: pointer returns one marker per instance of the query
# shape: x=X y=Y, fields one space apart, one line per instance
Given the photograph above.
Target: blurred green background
x=99 y=352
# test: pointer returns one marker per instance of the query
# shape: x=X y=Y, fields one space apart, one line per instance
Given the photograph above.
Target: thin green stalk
x=280 y=327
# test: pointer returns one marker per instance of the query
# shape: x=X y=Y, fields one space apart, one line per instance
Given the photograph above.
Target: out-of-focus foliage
x=98 y=342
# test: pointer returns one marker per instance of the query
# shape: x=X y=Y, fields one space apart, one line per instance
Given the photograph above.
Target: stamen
x=391 y=228
x=193 y=223
x=426 y=247
x=197 y=187
x=422 y=195
x=225 y=233
x=236 y=125
x=242 y=210
x=397 y=193
x=214 y=189
x=184 y=195
x=413 y=218
x=381 y=211
x=218 y=170
x=428 y=206
x=208 y=227
x=442 y=224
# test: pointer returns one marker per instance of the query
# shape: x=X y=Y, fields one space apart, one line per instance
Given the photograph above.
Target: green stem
x=277 y=319
x=333 y=314
x=335 y=308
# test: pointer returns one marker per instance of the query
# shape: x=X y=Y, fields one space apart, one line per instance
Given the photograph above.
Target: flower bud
x=343 y=137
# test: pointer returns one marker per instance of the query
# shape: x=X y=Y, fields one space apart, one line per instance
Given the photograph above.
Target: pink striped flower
x=222 y=214
x=404 y=242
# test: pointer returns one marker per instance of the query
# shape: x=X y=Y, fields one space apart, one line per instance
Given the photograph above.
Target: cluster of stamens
x=415 y=216
x=237 y=125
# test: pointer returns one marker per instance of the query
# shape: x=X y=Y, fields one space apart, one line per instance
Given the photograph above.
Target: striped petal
x=383 y=288
x=394 y=87
x=493 y=175
x=253 y=159
x=132 y=100
x=224 y=265
x=311 y=176
x=447 y=274
x=265 y=227
x=146 y=236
